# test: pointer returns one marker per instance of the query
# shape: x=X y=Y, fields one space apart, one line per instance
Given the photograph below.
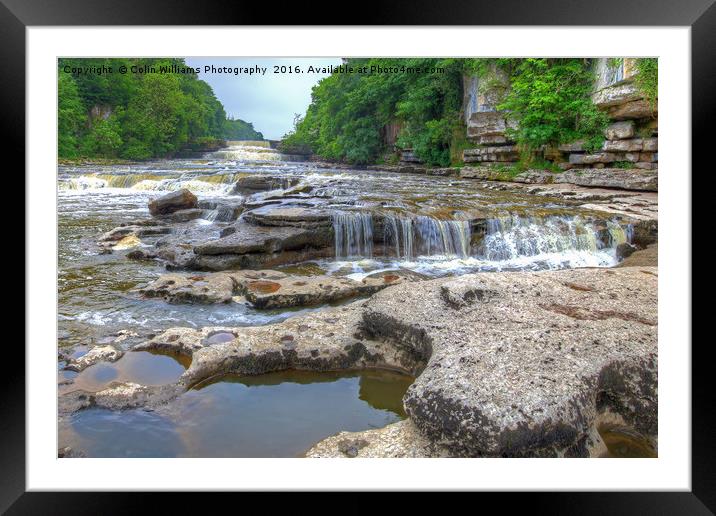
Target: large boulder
x=174 y=201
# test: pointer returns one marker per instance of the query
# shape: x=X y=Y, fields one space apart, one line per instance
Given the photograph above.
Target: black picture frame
x=700 y=15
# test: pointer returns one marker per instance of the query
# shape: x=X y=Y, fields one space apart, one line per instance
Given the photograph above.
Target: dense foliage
x=551 y=99
x=348 y=112
x=138 y=115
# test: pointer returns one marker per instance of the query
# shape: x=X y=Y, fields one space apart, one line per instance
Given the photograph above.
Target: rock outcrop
x=174 y=201
x=624 y=179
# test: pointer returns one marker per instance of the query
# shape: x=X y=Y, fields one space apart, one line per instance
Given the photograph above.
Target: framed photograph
x=417 y=253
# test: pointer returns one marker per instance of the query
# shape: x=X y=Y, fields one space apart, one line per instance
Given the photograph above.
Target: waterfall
x=353 y=233
x=427 y=236
x=248 y=151
x=219 y=183
x=511 y=237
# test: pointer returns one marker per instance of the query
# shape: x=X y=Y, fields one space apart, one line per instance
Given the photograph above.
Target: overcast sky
x=268 y=101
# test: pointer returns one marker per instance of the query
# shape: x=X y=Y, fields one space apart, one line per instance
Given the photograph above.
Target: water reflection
x=280 y=414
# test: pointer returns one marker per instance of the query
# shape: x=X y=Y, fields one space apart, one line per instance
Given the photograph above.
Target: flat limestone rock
x=520 y=364
x=185 y=288
x=250 y=238
x=267 y=288
x=624 y=179
x=315 y=290
x=399 y=440
x=289 y=216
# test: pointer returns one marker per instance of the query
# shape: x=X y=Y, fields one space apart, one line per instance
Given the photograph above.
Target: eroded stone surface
x=520 y=364
x=398 y=441
x=93 y=356
x=267 y=288
x=321 y=341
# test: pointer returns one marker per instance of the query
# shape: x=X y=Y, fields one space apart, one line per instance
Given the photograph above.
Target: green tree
x=156 y=113
x=103 y=138
x=71 y=116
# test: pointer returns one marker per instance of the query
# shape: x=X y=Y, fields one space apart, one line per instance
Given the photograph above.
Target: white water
x=353 y=233
x=438 y=247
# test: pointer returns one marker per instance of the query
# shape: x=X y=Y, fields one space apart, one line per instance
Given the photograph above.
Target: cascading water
x=214 y=183
x=509 y=241
x=513 y=237
x=353 y=233
x=250 y=151
x=409 y=237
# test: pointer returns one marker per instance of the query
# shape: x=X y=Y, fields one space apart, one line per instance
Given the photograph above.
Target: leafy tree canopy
x=138 y=115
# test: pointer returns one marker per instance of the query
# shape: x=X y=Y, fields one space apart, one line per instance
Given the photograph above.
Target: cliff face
x=631 y=140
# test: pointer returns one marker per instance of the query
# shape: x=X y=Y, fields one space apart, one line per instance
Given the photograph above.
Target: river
x=426 y=225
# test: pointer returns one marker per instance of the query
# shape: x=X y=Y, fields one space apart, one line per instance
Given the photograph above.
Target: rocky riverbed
x=513 y=319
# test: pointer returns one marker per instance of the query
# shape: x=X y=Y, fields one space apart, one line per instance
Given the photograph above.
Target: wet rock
x=127 y=242
x=223 y=209
x=183 y=215
x=289 y=216
x=135 y=230
x=183 y=288
x=118 y=396
x=625 y=179
x=625 y=250
x=141 y=255
x=251 y=184
x=268 y=289
x=174 y=201
x=93 y=356
x=176 y=256
x=314 y=290
x=249 y=238
x=645 y=233
x=325 y=340
x=648 y=257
